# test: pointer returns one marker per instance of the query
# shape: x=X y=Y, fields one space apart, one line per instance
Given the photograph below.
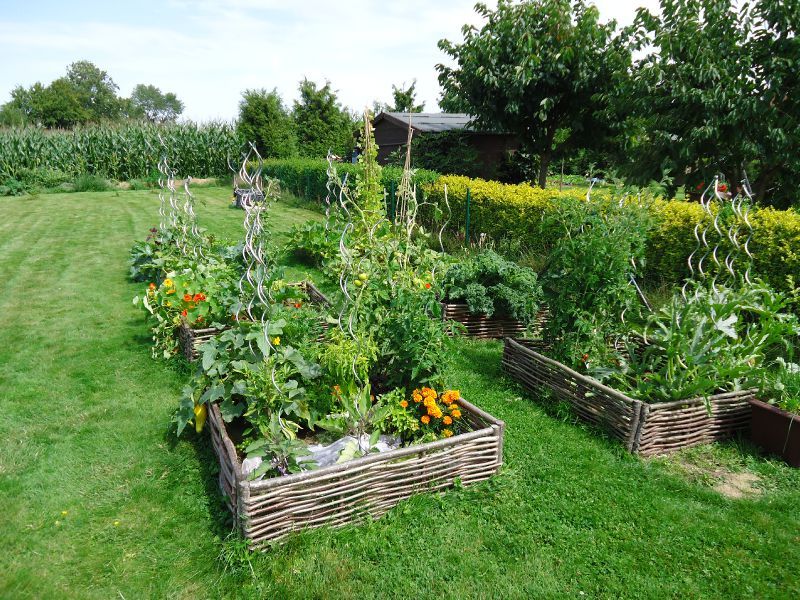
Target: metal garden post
x=466 y=224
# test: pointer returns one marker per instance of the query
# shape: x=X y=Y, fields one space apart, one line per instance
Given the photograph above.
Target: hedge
x=306 y=177
x=515 y=211
x=505 y=211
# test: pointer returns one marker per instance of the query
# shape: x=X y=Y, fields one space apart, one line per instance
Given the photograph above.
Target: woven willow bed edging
x=481 y=326
x=191 y=339
x=645 y=429
x=268 y=510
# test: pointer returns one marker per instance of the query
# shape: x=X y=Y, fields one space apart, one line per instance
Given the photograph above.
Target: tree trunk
x=544 y=163
x=544 y=157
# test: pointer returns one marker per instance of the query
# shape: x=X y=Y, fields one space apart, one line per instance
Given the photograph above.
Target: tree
x=321 y=123
x=264 y=120
x=96 y=90
x=404 y=98
x=147 y=101
x=718 y=93
x=58 y=105
x=536 y=69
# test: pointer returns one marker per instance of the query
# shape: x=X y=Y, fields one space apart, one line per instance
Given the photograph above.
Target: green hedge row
x=306 y=177
x=505 y=211
x=516 y=211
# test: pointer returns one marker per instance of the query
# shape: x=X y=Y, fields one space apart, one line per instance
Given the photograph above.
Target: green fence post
x=392 y=202
x=466 y=225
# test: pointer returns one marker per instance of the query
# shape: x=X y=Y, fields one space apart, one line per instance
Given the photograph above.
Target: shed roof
x=429 y=122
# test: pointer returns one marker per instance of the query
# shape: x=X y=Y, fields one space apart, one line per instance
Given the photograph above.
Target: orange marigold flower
x=426 y=391
x=456 y=414
x=425 y=419
x=447 y=420
x=447 y=433
x=417 y=397
x=404 y=403
x=187 y=297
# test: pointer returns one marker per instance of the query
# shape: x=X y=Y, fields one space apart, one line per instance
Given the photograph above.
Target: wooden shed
x=391 y=133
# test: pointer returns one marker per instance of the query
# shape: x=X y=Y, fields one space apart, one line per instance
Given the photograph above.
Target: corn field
x=119 y=152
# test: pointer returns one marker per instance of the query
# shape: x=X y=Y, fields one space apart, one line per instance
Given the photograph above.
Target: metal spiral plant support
x=724 y=270
x=190 y=240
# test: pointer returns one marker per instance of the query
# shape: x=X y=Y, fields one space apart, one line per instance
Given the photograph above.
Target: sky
x=208 y=51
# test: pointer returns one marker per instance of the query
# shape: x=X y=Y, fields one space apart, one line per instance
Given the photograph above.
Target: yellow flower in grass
x=425 y=419
x=276 y=341
x=447 y=433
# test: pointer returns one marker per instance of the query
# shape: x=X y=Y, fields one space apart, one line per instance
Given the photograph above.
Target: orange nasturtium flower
x=199 y=297
x=425 y=419
x=404 y=403
x=187 y=297
x=183 y=312
x=152 y=286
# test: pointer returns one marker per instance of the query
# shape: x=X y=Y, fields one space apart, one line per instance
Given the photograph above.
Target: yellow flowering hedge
x=516 y=211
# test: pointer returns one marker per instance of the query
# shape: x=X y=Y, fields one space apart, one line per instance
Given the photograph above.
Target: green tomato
x=358 y=282
x=363 y=276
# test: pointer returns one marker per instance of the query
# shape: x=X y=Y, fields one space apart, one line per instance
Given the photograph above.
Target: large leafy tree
x=538 y=69
x=264 y=120
x=95 y=89
x=321 y=122
x=717 y=93
x=149 y=102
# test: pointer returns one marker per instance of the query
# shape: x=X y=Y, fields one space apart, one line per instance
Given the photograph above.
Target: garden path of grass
x=85 y=428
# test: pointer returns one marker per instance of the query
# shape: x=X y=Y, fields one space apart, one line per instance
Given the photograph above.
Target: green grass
x=85 y=428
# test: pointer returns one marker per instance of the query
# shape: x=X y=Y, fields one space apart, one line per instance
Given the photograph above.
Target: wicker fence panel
x=591 y=400
x=478 y=325
x=646 y=429
x=671 y=426
x=270 y=509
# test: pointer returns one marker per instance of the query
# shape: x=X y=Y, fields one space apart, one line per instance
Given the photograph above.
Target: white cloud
x=208 y=51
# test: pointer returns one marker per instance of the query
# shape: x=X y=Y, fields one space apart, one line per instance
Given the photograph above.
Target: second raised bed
x=645 y=429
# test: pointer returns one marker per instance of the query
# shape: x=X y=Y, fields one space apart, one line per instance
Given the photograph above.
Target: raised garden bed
x=191 y=339
x=645 y=429
x=776 y=431
x=268 y=510
x=481 y=326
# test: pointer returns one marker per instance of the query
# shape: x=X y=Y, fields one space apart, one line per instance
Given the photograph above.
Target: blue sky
x=209 y=51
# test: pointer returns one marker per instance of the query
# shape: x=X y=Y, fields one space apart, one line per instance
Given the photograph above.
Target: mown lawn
x=98 y=498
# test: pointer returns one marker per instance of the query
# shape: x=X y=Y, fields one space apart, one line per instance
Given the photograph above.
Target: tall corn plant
x=121 y=152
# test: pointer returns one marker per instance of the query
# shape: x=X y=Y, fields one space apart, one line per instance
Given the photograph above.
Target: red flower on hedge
x=427 y=286
x=199 y=297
